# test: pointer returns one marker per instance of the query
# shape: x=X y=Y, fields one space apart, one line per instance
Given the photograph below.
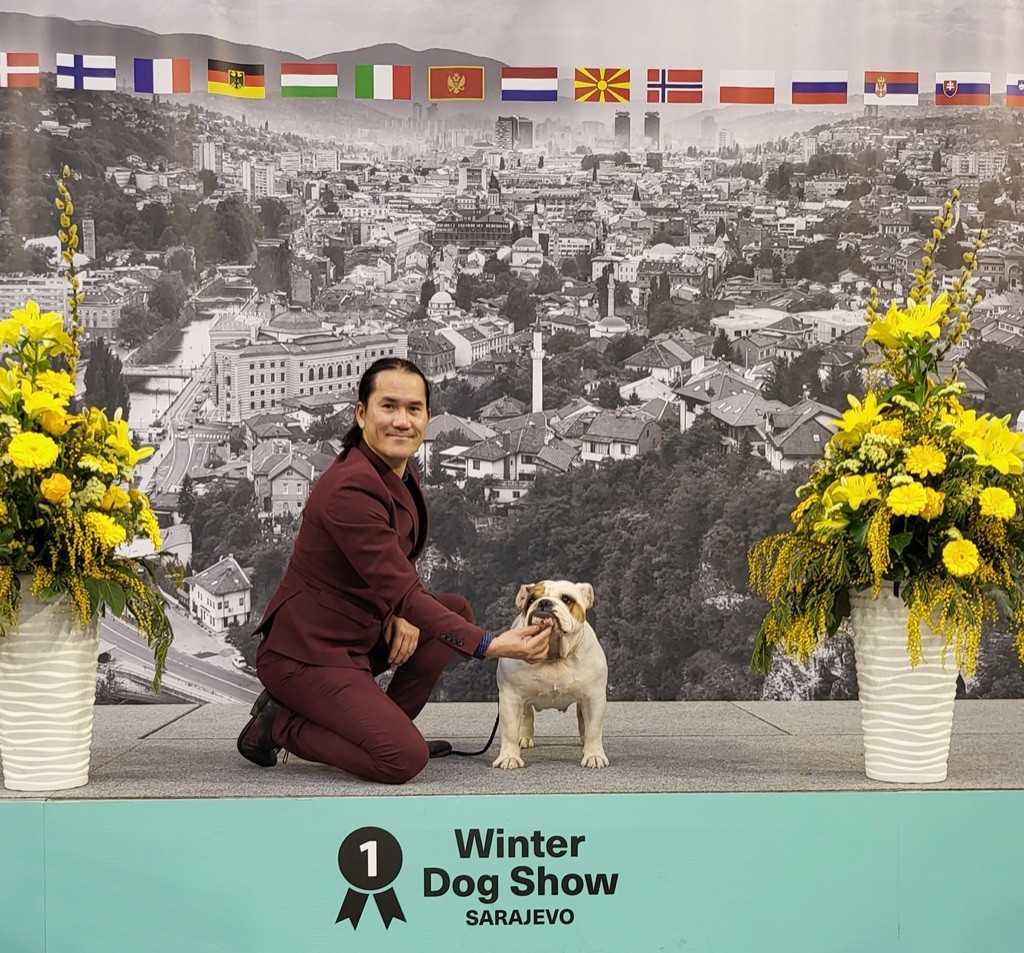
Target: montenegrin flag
x=529 y=84
x=19 y=70
x=820 y=88
x=380 y=81
x=747 y=86
x=963 y=89
x=309 y=79
x=455 y=82
x=163 y=76
x=601 y=84
x=1015 y=90
x=244 y=80
x=86 y=71
x=675 y=85
x=891 y=88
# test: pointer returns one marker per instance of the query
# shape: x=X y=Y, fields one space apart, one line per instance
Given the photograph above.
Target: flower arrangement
x=913 y=491
x=67 y=501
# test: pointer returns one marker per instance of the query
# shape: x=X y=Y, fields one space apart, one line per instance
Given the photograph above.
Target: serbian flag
x=244 y=80
x=675 y=85
x=963 y=89
x=1015 y=90
x=890 y=88
x=163 y=76
x=383 y=81
x=315 y=80
x=529 y=84
x=601 y=84
x=747 y=86
x=19 y=70
x=455 y=82
x=820 y=88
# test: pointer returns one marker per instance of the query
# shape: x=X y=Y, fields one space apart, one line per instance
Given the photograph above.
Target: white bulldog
x=575 y=671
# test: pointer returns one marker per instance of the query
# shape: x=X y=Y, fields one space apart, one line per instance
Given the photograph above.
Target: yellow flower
x=908 y=499
x=108 y=532
x=33 y=451
x=36 y=402
x=115 y=498
x=924 y=460
x=914 y=322
x=995 y=501
x=55 y=488
x=855 y=490
x=147 y=520
x=891 y=429
x=859 y=419
x=935 y=505
x=38 y=327
x=967 y=424
x=120 y=442
x=960 y=557
x=88 y=461
x=55 y=422
x=56 y=382
x=998 y=447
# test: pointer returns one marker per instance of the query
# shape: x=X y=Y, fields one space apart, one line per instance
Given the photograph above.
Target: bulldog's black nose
x=545 y=603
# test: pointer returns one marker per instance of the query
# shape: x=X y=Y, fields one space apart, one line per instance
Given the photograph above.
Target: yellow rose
x=995 y=501
x=960 y=557
x=908 y=499
x=33 y=451
x=115 y=498
x=55 y=488
x=56 y=422
x=935 y=505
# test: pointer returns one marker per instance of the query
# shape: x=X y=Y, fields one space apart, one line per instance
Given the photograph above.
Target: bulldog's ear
x=524 y=595
x=586 y=594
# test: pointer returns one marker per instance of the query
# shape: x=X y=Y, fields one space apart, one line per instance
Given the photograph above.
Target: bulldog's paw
x=508 y=762
x=526 y=742
x=596 y=759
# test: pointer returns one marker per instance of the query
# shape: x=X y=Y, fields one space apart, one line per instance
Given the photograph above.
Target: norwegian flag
x=675 y=85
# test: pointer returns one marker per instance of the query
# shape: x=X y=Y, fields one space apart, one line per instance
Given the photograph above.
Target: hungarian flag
x=163 y=76
x=383 y=81
x=1015 y=90
x=244 y=80
x=309 y=79
x=19 y=70
x=747 y=86
x=455 y=82
x=601 y=85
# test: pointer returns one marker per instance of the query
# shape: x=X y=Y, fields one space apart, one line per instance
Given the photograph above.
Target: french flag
x=963 y=89
x=529 y=84
x=821 y=88
x=163 y=76
x=1015 y=90
x=747 y=86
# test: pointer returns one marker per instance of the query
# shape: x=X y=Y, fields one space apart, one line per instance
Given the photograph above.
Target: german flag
x=244 y=80
x=601 y=85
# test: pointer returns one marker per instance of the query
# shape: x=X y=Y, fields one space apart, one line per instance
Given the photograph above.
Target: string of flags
x=466 y=83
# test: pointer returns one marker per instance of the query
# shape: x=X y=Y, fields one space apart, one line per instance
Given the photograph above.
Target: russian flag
x=747 y=86
x=820 y=88
x=1015 y=90
x=163 y=76
x=891 y=88
x=529 y=84
x=963 y=89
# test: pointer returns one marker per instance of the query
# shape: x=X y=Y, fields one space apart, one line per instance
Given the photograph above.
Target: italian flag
x=309 y=79
x=383 y=82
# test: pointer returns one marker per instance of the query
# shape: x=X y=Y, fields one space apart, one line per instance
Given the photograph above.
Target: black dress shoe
x=255 y=743
x=438 y=749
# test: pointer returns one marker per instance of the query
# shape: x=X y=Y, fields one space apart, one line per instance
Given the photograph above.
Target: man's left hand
x=402 y=637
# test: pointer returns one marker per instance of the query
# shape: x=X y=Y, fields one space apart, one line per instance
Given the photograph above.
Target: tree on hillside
x=168 y=296
x=427 y=291
x=273 y=215
x=722 y=348
x=105 y=386
x=520 y=307
x=137 y=324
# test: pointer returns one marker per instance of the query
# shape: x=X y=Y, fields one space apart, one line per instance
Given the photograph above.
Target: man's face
x=394 y=420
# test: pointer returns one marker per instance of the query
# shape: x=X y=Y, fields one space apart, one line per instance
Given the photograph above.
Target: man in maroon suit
x=351 y=603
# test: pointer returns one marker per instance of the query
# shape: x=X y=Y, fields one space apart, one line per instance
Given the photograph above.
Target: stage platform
x=188 y=751
x=744 y=827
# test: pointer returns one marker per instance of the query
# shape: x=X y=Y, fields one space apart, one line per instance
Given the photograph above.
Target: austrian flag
x=19 y=70
x=319 y=80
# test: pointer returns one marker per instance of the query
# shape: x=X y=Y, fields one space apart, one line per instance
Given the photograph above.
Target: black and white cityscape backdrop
x=629 y=243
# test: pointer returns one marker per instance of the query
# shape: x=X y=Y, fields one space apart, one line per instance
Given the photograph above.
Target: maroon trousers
x=340 y=716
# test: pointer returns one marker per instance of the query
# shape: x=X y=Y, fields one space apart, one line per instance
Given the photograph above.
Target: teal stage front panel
x=926 y=872
x=22 y=880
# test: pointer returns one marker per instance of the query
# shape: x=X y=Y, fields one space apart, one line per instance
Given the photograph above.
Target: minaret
x=537 y=354
x=611 y=294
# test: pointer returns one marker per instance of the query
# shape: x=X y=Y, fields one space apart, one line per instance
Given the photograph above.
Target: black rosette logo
x=370 y=859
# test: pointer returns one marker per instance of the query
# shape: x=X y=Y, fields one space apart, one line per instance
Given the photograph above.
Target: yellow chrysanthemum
x=960 y=557
x=88 y=461
x=33 y=451
x=995 y=501
x=908 y=499
x=56 y=382
x=115 y=499
x=55 y=487
x=892 y=429
x=935 y=505
x=925 y=460
x=108 y=532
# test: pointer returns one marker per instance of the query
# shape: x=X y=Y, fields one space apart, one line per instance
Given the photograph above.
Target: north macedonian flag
x=455 y=82
x=236 y=79
x=601 y=85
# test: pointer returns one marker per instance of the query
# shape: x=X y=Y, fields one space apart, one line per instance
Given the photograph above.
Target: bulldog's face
x=562 y=601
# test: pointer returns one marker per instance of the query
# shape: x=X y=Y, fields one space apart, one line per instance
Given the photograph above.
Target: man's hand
x=529 y=643
x=402 y=637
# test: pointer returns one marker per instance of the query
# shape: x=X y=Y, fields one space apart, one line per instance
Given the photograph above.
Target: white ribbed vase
x=906 y=714
x=47 y=693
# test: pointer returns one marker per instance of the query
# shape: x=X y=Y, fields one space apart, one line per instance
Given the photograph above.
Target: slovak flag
x=747 y=86
x=819 y=88
x=1015 y=90
x=963 y=89
x=529 y=84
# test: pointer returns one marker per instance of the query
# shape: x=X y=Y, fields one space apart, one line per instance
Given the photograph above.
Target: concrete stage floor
x=188 y=751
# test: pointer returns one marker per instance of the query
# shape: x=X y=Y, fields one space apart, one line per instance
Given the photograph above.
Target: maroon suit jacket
x=353 y=568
